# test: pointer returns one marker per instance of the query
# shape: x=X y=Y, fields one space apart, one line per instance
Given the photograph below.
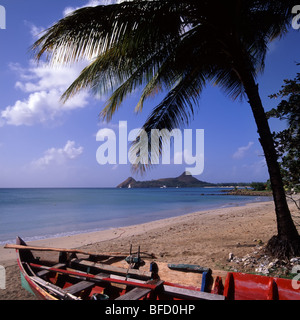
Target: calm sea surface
x=46 y=213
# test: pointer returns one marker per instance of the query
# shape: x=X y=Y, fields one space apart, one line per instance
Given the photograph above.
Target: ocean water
x=46 y=213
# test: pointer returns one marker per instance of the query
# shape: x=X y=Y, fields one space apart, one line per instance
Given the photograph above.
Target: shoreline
x=204 y=238
x=70 y=205
x=77 y=240
x=75 y=233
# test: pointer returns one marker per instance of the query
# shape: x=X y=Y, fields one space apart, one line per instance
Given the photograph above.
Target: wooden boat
x=72 y=277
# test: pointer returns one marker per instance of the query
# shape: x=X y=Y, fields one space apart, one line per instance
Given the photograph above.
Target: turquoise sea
x=46 y=213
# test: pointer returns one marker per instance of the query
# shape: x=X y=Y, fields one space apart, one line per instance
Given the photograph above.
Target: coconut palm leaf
x=91 y=31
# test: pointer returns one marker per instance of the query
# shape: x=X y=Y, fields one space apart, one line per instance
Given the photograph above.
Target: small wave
x=51 y=236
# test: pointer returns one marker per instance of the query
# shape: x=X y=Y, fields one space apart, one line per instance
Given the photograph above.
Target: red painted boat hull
x=243 y=286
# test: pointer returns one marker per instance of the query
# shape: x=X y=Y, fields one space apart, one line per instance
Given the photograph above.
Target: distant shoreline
x=246 y=192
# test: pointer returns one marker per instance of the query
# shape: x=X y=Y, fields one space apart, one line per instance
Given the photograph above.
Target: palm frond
x=176 y=109
x=91 y=31
x=169 y=69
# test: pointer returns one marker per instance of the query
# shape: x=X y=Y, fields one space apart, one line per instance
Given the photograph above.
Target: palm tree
x=177 y=47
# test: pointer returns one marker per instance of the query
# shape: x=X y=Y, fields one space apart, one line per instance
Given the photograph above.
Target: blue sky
x=46 y=144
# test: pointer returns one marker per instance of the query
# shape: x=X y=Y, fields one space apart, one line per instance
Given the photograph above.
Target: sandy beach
x=205 y=238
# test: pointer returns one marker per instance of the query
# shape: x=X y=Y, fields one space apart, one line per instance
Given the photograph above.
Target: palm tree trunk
x=285 y=225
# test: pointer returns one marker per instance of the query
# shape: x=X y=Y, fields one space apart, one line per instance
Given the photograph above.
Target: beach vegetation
x=287 y=141
x=258 y=186
x=176 y=48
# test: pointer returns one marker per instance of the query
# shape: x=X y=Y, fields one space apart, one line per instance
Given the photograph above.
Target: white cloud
x=35 y=31
x=241 y=152
x=44 y=86
x=59 y=156
x=44 y=77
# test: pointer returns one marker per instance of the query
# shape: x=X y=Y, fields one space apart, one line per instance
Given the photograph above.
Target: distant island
x=185 y=180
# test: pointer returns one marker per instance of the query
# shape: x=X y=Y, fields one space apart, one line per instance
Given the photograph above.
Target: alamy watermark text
x=2 y=17
x=296 y=19
x=2 y=278
x=145 y=153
